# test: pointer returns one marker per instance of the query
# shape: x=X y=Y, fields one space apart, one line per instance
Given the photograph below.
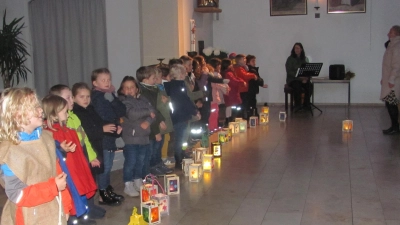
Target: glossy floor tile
x=300 y=172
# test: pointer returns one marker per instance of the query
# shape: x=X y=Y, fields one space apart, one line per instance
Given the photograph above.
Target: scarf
x=110 y=90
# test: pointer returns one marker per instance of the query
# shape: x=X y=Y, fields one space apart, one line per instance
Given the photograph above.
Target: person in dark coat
x=254 y=85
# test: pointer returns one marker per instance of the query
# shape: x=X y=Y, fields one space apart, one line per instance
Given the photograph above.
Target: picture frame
x=287 y=7
x=346 y=6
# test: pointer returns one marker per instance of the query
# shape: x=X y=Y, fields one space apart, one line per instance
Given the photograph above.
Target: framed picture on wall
x=346 y=6
x=287 y=7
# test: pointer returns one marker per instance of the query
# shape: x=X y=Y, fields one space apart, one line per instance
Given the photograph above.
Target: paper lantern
x=265 y=109
x=238 y=119
x=243 y=126
x=234 y=126
x=208 y=162
x=185 y=166
x=151 y=212
x=222 y=137
x=216 y=149
x=146 y=191
x=171 y=184
x=195 y=172
x=198 y=154
x=264 y=118
x=228 y=134
x=282 y=116
x=163 y=203
x=253 y=121
x=347 y=126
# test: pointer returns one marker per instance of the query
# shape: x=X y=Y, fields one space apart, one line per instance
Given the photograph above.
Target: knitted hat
x=232 y=55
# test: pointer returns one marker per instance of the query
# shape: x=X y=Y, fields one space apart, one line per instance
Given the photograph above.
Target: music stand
x=309 y=70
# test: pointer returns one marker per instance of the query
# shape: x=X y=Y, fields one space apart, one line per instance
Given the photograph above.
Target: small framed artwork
x=346 y=6
x=287 y=7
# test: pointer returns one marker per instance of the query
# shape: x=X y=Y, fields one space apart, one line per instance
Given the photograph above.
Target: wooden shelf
x=208 y=10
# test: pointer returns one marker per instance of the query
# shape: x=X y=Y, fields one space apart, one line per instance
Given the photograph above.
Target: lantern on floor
x=208 y=162
x=195 y=172
x=228 y=134
x=171 y=183
x=198 y=154
x=238 y=119
x=216 y=149
x=282 y=116
x=136 y=219
x=162 y=202
x=347 y=126
x=185 y=166
x=222 y=137
x=151 y=212
x=234 y=126
x=146 y=191
x=264 y=118
x=243 y=126
x=265 y=109
x=253 y=121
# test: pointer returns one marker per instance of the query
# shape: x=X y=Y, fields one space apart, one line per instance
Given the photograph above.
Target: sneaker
x=85 y=220
x=157 y=171
x=169 y=161
x=137 y=183
x=130 y=190
x=165 y=168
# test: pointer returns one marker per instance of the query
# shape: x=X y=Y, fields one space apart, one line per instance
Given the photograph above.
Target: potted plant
x=13 y=52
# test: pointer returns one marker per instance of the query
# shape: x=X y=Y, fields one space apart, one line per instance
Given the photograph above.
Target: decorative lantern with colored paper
x=243 y=126
x=222 y=137
x=171 y=183
x=198 y=154
x=253 y=121
x=196 y=172
x=185 y=166
x=265 y=109
x=282 y=116
x=229 y=133
x=151 y=212
x=264 y=118
x=347 y=126
x=216 y=149
x=208 y=162
x=163 y=203
x=146 y=191
x=234 y=126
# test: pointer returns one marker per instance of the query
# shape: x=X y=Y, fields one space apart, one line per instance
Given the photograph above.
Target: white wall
x=17 y=9
x=355 y=40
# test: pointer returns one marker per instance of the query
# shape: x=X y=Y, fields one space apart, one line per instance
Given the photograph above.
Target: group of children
x=56 y=153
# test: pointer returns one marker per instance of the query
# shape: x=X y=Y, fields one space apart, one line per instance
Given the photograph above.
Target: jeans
x=134 y=161
x=156 y=148
x=103 y=179
x=179 y=129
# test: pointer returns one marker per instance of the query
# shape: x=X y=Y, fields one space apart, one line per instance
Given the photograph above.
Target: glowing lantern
x=195 y=172
x=222 y=137
x=216 y=149
x=265 y=109
x=228 y=134
x=198 y=154
x=234 y=126
x=146 y=191
x=253 y=121
x=208 y=162
x=151 y=212
x=185 y=165
x=264 y=118
x=347 y=126
x=171 y=183
x=162 y=202
x=282 y=116
x=243 y=126
x=238 y=119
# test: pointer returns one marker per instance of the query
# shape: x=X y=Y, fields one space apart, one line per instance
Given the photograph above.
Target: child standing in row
x=32 y=178
x=139 y=116
x=110 y=109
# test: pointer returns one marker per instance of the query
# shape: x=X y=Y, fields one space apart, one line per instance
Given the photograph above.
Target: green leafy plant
x=13 y=52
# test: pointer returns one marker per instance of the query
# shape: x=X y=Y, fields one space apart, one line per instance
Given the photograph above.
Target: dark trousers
x=245 y=105
x=298 y=88
x=252 y=98
x=394 y=114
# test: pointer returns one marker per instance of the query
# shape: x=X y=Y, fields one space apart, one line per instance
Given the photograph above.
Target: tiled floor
x=304 y=171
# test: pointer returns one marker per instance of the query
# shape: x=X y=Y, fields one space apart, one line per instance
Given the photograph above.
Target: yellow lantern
x=265 y=109
x=243 y=126
x=253 y=121
x=264 y=118
x=234 y=126
x=216 y=149
x=347 y=126
x=222 y=137
x=195 y=172
x=228 y=134
x=208 y=162
x=198 y=154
